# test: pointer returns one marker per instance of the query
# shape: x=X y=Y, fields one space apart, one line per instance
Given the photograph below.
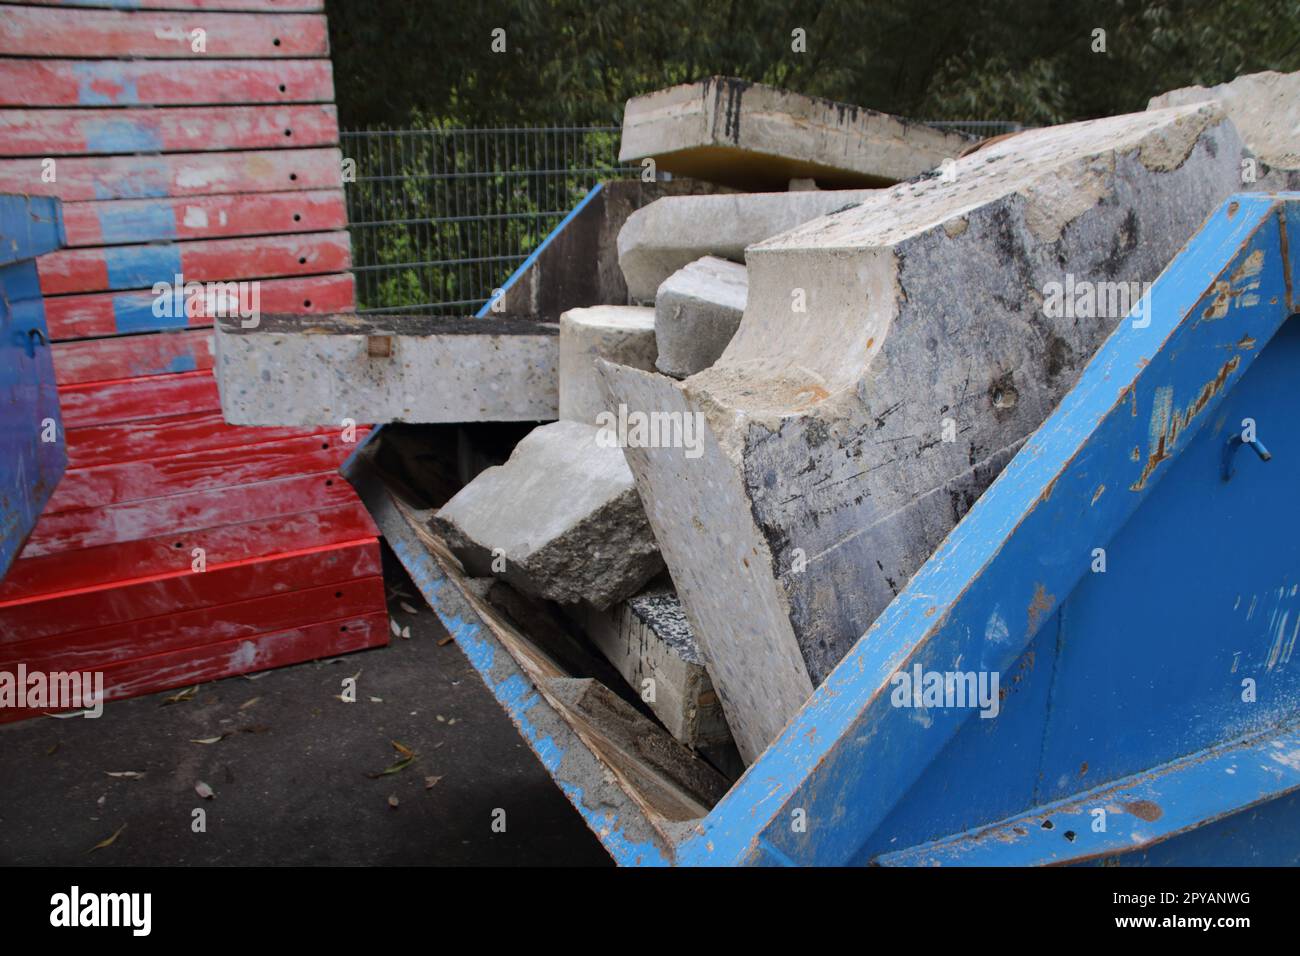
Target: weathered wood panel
x=153 y=83
x=174 y=174
x=95 y=360
x=101 y=647
x=92 y=33
x=111 y=268
x=38 y=615
x=197 y=665
x=138 y=399
x=121 y=221
x=172 y=553
x=200 y=470
x=27 y=132
x=113 y=313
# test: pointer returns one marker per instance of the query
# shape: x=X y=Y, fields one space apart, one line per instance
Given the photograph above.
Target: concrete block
x=1265 y=108
x=891 y=359
x=647 y=638
x=296 y=370
x=560 y=520
x=757 y=137
x=622 y=334
x=697 y=311
x=673 y=232
x=577 y=265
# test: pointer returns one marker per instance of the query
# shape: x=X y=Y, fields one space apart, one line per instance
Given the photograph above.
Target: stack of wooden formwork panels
x=190 y=138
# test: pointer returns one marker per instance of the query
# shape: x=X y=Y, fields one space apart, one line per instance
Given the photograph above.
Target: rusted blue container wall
x=32 y=454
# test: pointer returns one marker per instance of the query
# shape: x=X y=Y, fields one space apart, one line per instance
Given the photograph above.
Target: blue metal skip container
x=1132 y=579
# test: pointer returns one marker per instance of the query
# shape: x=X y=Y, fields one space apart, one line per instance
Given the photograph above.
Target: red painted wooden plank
x=196 y=470
x=34 y=616
x=153 y=83
x=202 y=260
x=198 y=665
x=28 y=132
x=135 y=399
x=175 y=174
x=111 y=313
x=66 y=570
x=33 y=31
x=118 y=221
x=184 y=512
x=130 y=356
x=265 y=6
x=100 y=445
x=101 y=647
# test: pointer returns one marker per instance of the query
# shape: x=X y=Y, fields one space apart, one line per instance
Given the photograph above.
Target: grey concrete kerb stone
x=670 y=233
x=697 y=311
x=617 y=333
x=560 y=520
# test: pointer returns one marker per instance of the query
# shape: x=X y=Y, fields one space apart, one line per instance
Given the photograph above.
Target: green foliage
x=429 y=64
x=577 y=62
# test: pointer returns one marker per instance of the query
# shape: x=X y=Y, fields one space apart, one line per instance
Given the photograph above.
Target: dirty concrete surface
x=290 y=780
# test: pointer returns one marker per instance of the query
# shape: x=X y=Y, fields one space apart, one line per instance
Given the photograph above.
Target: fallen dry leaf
x=431 y=782
x=204 y=791
x=397 y=631
x=407 y=608
x=126 y=774
x=188 y=693
x=392 y=802
x=395 y=768
x=55 y=749
x=402 y=749
x=210 y=740
x=105 y=844
x=406 y=633
x=446 y=640
x=249 y=703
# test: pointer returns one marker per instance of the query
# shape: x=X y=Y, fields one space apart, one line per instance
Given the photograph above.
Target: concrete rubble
x=1265 y=108
x=622 y=334
x=289 y=371
x=758 y=138
x=697 y=311
x=560 y=520
x=670 y=233
x=892 y=359
x=648 y=639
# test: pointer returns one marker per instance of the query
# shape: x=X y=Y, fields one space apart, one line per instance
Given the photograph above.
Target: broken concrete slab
x=892 y=358
x=561 y=520
x=673 y=232
x=649 y=641
x=758 y=137
x=697 y=311
x=321 y=370
x=622 y=334
x=1265 y=108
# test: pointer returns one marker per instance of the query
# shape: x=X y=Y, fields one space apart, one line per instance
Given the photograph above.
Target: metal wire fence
x=441 y=217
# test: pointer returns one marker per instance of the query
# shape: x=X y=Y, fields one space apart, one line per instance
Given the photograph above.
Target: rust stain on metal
x=1168 y=423
x=1040 y=605
x=1144 y=810
x=1101 y=490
